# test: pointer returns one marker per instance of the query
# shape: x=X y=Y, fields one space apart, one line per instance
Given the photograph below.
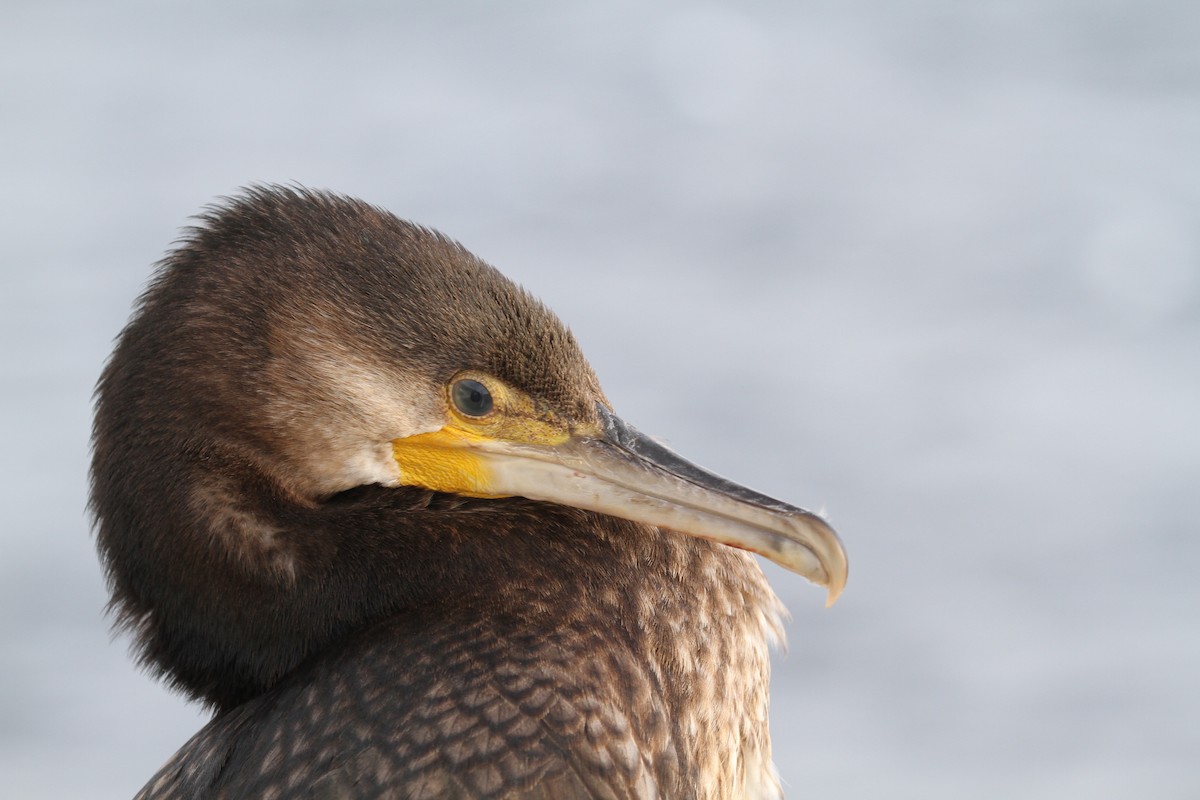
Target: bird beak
x=619 y=471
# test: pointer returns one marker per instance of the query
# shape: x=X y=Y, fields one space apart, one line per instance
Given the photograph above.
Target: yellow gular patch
x=443 y=462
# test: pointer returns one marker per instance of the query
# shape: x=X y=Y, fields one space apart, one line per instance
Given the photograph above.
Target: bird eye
x=471 y=398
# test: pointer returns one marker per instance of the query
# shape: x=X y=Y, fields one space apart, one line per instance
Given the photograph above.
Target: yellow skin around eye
x=448 y=460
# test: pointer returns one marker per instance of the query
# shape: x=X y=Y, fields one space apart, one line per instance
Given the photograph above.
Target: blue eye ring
x=471 y=398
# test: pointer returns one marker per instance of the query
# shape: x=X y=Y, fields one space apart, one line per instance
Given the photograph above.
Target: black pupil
x=472 y=398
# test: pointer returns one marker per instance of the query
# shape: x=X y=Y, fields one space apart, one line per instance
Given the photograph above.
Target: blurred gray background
x=931 y=266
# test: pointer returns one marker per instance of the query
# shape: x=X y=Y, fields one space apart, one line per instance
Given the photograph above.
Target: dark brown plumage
x=359 y=637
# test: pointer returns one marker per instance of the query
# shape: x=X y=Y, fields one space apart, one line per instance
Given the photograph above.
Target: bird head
x=299 y=345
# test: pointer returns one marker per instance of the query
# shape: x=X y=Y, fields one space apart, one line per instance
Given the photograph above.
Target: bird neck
x=251 y=584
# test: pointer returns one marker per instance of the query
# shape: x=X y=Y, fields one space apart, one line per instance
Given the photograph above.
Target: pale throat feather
x=713 y=641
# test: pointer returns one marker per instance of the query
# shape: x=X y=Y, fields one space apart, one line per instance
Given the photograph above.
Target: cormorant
x=364 y=497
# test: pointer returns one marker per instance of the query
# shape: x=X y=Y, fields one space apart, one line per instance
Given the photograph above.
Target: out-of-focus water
x=932 y=266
